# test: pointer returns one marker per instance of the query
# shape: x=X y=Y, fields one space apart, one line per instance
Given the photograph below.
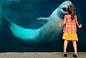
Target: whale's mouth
x=64 y=9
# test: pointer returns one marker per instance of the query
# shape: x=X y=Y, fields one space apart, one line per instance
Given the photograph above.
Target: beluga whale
x=48 y=33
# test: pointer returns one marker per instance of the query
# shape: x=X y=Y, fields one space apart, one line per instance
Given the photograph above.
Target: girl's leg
x=75 y=46
x=65 y=45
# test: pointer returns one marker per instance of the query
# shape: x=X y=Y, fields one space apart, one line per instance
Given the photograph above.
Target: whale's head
x=62 y=9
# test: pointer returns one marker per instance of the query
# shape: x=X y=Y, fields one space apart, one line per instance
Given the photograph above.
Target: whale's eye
x=64 y=9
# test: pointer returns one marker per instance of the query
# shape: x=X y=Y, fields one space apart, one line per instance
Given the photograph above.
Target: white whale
x=49 y=32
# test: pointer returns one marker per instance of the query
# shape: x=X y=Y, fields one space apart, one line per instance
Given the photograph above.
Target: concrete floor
x=40 y=55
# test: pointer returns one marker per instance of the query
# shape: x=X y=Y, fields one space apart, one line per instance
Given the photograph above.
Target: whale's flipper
x=42 y=20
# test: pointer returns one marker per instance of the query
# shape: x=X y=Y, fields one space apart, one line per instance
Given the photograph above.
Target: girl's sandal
x=65 y=54
x=75 y=55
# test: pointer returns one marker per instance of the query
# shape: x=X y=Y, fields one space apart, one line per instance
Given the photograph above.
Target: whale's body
x=49 y=32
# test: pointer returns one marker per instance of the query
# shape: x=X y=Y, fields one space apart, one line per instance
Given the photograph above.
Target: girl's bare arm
x=77 y=22
x=63 y=22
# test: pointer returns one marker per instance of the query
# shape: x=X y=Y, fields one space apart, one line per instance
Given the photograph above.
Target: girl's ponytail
x=72 y=15
x=71 y=11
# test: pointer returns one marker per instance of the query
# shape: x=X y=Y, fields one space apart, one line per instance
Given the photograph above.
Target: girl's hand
x=80 y=26
x=60 y=24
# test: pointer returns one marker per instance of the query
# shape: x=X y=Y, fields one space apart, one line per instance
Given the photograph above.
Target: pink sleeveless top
x=70 y=26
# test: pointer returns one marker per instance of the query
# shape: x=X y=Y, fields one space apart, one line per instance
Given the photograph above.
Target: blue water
x=24 y=14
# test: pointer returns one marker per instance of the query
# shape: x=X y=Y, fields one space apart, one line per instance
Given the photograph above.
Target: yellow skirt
x=70 y=36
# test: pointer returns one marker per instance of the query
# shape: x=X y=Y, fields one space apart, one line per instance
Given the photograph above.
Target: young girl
x=70 y=23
